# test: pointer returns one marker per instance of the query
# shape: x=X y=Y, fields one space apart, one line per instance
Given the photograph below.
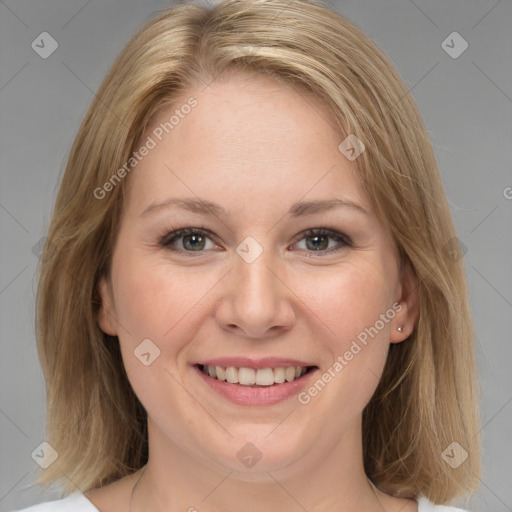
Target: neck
x=317 y=482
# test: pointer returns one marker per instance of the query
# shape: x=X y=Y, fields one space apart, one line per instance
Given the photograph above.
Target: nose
x=256 y=302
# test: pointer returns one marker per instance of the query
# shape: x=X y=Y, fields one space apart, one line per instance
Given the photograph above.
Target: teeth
x=221 y=374
x=250 y=376
x=279 y=375
x=289 y=374
x=246 y=376
x=264 y=376
x=231 y=374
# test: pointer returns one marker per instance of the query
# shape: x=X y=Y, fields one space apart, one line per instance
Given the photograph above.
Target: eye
x=190 y=240
x=317 y=240
x=196 y=240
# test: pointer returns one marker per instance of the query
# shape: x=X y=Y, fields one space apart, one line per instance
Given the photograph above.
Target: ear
x=408 y=308
x=106 y=314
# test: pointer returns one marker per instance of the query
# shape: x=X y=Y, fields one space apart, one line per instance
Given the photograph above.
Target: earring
x=400 y=329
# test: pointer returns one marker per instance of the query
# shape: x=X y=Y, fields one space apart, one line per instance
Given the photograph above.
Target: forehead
x=246 y=139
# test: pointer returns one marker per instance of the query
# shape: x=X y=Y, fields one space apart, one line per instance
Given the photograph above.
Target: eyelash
x=172 y=236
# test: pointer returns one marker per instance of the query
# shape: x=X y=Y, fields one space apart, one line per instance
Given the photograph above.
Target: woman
x=252 y=294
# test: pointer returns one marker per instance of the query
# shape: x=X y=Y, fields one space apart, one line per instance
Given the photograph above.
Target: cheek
x=152 y=308
x=159 y=302
x=355 y=305
x=349 y=301
x=143 y=294
x=359 y=309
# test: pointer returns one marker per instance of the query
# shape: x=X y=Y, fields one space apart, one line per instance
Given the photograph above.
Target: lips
x=255 y=382
x=246 y=376
x=246 y=362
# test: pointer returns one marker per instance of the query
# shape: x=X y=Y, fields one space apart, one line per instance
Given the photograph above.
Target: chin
x=253 y=452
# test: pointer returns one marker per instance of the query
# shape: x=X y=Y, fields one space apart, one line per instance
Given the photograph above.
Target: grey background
x=467 y=106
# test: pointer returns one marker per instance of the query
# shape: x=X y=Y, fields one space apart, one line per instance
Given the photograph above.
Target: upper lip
x=246 y=362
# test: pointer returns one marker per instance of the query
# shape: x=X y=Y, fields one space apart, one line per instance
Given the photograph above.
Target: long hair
x=427 y=396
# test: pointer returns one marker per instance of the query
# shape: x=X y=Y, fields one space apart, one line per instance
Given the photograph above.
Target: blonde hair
x=427 y=397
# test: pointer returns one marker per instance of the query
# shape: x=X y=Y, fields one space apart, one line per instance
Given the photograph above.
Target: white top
x=77 y=502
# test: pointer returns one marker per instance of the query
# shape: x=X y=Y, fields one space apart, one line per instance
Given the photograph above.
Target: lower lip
x=265 y=395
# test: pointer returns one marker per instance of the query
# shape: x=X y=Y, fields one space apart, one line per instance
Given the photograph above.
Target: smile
x=247 y=382
x=254 y=377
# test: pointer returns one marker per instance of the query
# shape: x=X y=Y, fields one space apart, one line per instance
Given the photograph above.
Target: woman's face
x=247 y=286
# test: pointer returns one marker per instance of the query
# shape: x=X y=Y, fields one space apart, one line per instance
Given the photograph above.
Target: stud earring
x=401 y=329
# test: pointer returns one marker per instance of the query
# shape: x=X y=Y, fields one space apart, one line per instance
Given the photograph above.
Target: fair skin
x=254 y=147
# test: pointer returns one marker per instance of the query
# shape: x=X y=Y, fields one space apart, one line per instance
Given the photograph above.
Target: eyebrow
x=297 y=209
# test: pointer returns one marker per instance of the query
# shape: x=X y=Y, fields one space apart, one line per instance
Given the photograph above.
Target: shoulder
x=424 y=505
x=75 y=502
x=114 y=496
